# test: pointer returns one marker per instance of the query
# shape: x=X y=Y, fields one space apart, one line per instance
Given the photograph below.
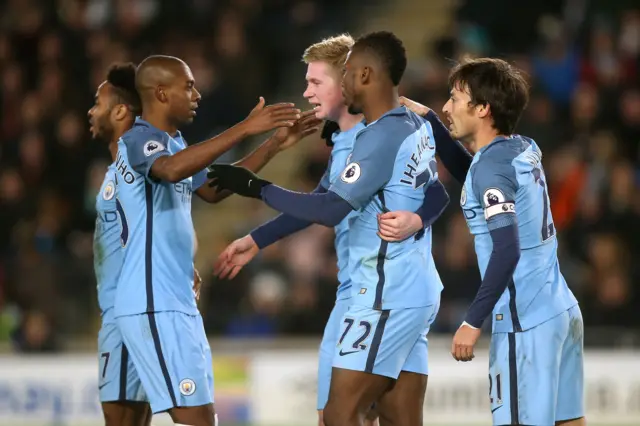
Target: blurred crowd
x=582 y=60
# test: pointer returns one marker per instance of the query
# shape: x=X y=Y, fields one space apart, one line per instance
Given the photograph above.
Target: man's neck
x=483 y=138
x=348 y=121
x=382 y=104
x=113 y=148
x=160 y=123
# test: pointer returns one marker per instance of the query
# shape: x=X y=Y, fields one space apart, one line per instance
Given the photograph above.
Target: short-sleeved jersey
x=107 y=247
x=507 y=177
x=340 y=154
x=393 y=160
x=158 y=235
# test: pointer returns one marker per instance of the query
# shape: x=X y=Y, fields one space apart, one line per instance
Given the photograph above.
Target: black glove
x=236 y=179
x=329 y=128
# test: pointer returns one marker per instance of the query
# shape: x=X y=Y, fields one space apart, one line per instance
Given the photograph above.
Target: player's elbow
x=166 y=170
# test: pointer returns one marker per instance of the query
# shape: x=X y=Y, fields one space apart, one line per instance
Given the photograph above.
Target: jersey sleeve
x=325 y=182
x=199 y=179
x=495 y=186
x=370 y=168
x=144 y=148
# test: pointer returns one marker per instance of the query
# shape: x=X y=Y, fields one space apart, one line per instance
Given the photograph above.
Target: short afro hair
x=389 y=50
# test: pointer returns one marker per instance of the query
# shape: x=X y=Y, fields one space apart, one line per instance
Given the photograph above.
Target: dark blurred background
x=582 y=58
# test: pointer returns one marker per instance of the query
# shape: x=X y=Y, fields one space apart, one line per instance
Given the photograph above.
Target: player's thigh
x=351 y=395
x=524 y=374
x=570 y=403
x=403 y=403
x=167 y=349
x=126 y=413
x=379 y=342
x=118 y=379
x=327 y=349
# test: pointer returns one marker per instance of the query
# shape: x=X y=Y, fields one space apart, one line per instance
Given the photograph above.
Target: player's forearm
x=435 y=201
x=281 y=227
x=502 y=264
x=189 y=161
x=454 y=156
x=326 y=209
x=255 y=161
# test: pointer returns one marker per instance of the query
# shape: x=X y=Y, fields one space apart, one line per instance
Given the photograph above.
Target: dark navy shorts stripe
x=124 y=363
x=377 y=339
x=163 y=365
x=513 y=380
x=382 y=254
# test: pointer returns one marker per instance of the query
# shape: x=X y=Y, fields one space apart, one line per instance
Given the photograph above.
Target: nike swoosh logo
x=496 y=408
x=102 y=385
x=347 y=353
x=249 y=183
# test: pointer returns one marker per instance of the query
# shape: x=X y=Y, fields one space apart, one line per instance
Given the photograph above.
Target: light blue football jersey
x=107 y=247
x=507 y=176
x=342 y=148
x=393 y=161
x=158 y=234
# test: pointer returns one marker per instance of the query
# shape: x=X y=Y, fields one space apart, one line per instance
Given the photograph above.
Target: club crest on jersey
x=463 y=196
x=109 y=191
x=351 y=173
x=187 y=387
x=492 y=196
x=151 y=147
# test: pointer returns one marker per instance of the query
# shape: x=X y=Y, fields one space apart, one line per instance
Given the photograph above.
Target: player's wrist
x=465 y=323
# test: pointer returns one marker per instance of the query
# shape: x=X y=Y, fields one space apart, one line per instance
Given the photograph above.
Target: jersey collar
x=401 y=110
x=497 y=139
x=140 y=122
x=340 y=135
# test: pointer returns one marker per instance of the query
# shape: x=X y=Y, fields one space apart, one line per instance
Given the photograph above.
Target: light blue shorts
x=118 y=379
x=172 y=356
x=385 y=342
x=536 y=376
x=327 y=348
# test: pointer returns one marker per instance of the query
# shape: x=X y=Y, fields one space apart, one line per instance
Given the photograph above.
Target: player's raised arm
x=243 y=250
x=283 y=138
x=453 y=154
x=169 y=100
x=197 y=157
x=370 y=168
x=495 y=183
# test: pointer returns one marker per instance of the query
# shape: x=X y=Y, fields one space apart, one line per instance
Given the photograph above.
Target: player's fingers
x=388 y=216
x=236 y=269
x=288 y=116
x=388 y=230
x=308 y=132
x=289 y=123
x=226 y=269
x=310 y=113
x=467 y=353
x=219 y=264
x=259 y=105
x=388 y=238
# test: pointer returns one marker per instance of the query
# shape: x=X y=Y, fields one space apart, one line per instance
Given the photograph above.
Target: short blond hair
x=332 y=50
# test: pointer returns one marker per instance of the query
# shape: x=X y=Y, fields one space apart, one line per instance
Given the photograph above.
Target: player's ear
x=365 y=75
x=161 y=94
x=120 y=112
x=483 y=110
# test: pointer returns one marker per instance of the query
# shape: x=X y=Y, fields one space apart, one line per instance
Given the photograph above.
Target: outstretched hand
x=236 y=179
